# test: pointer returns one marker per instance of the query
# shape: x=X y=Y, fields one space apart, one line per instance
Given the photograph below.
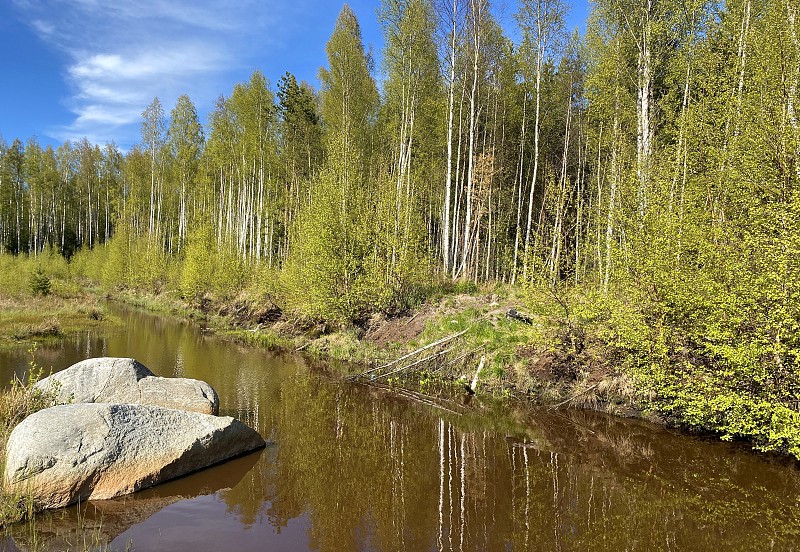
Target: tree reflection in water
x=352 y=467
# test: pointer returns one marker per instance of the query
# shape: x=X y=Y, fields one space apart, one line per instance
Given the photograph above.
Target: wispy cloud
x=123 y=53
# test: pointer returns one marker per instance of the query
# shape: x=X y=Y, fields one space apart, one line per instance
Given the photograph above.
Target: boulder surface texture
x=83 y=452
x=125 y=380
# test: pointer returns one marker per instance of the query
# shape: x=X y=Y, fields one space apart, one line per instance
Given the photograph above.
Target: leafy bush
x=209 y=267
x=89 y=264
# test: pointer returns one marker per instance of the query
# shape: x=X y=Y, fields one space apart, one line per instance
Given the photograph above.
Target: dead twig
x=416 y=363
x=575 y=396
x=461 y=357
x=412 y=353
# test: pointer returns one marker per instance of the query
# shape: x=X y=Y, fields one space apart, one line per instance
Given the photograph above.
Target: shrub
x=39 y=282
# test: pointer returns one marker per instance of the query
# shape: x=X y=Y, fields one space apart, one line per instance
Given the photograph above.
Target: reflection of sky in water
x=353 y=468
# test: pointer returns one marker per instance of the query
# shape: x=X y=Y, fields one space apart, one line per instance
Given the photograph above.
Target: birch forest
x=650 y=165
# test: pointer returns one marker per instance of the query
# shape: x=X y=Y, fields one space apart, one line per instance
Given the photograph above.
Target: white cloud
x=43 y=27
x=103 y=115
x=123 y=53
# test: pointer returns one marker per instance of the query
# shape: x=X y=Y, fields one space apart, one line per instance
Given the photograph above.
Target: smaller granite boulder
x=77 y=452
x=125 y=380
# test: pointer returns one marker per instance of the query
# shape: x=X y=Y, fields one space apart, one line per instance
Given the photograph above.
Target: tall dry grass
x=17 y=402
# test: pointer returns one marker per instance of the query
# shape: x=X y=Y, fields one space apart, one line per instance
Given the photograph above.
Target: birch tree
x=451 y=22
x=328 y=270
x=411 y=103
x=153 y=129
x=541 y=23
x=185 y=135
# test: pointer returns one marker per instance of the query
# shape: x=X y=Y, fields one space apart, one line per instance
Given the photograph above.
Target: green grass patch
x=42 y=319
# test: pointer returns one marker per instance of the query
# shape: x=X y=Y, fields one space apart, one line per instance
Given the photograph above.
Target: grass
x=543 y=358
x=17 y=402
x=42 y=319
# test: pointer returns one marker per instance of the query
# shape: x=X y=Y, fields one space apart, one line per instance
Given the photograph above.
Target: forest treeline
x=651 y=164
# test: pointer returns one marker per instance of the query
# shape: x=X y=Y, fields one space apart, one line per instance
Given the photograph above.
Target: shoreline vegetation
x=614 y=218
x=540 y=346
x=39 y=303
x=554 y=351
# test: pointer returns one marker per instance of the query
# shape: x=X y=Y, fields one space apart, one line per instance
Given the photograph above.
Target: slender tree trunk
x=644 y=134
x=450 y=110
x=791 y=97
x=520 y=179
x=536 y=128
x=460 y=184
x=612 y=197
x=477 y=8
x=555 y=250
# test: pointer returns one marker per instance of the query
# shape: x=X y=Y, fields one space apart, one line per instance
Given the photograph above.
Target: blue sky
x=75 y=68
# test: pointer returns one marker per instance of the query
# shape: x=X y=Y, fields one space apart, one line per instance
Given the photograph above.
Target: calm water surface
x=350 y=467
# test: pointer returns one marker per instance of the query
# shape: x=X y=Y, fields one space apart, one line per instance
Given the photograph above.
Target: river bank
x=438 y=470
x=600 y=351
x=26 y=320
x=532 y=353
x=603 y=352
x=612 y=351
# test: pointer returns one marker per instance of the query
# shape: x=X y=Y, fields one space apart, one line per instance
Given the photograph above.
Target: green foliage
x=11 y=267
x=229 y=274
x=209 y=268
x=88 y=264
x=32 y=275
x=116 y=269
x=198 y=263
x=662 y=200
x=301 y=132
x=349 y=99
x=51 y=263
x=325 y=275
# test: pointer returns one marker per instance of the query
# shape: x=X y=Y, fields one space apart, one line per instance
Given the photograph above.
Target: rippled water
x=351 y=467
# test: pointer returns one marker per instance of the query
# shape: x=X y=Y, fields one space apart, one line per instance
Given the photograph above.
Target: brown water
x=351 y=467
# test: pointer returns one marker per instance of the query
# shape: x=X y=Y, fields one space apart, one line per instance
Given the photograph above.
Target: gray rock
x=125 y=380
x=74 y=452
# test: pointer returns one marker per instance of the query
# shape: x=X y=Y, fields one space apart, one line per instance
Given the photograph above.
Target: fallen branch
x=407 y=322
x=575 y=396
x=412 y=353
x=471 y=387
x=461 y=357
x=420 y=361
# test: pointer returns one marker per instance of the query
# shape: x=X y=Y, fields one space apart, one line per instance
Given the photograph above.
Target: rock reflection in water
x=354 y=468
x=96 y=524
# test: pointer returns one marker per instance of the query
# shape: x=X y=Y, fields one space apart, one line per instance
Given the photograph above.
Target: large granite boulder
x=79 y=452
x=125 y=380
